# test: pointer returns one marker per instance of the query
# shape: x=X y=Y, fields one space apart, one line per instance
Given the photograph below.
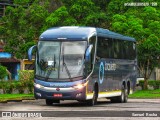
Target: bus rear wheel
x=122 y=98
x=125 y=95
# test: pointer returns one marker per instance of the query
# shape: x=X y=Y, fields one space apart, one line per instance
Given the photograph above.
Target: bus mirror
x=30 y=52
x=88 y=53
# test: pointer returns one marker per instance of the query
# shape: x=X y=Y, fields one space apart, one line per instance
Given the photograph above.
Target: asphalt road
x=143 y=109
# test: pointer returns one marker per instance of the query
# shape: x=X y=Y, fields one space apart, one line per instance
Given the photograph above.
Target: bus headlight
x=38 y=85
x=79 y=86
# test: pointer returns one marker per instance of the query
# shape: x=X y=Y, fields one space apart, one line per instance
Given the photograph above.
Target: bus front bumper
x=71 y=93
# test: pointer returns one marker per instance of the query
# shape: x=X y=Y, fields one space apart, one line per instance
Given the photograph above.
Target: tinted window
x=114 y=48
x=105 y=47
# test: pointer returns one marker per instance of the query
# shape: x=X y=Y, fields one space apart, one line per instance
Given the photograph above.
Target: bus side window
x=121 y=47
x=116 y=49
x=132 y=50
x=110 y=48
x=125 y=50
x=100 y=48
x=105 y=47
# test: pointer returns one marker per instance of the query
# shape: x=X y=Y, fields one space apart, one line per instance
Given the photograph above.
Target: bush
x=29 y=84
x=3 y=86
x=158 y=83
x=6 y=86
x=25 y=82
x=27 y=77
x=9 y=86
x=153 y=83
x=141 y=83
x=20 y=87
x=3 y=72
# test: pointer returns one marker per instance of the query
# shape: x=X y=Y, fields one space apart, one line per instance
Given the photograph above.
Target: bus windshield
x=60 y=60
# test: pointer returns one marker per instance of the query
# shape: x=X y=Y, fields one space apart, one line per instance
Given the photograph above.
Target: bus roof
x=107 y=33
x=70 y=33
x=79 y=33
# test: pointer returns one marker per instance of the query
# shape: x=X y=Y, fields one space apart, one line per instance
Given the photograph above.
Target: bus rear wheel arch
x=128 y=87
x=123 y=98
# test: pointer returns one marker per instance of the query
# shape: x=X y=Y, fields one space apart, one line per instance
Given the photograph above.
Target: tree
x=145 y=28
x=77 y=12
x=3 y=72
x=23 y=23
x=16 y=31
x=27 y=19
x=148 y=56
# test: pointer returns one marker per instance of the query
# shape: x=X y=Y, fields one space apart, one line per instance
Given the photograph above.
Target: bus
x=84 y=64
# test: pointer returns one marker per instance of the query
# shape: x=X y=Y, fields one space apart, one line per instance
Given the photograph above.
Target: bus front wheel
x=93 y=101
x=50 y=101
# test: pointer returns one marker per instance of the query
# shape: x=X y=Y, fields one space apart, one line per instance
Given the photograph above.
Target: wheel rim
x=126 y=95
x=122 y=97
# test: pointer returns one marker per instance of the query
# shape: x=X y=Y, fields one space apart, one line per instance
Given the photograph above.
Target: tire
x=49 y=102
x=114 y=100
x=93 y=101
x=125 y=95
x=122 y=98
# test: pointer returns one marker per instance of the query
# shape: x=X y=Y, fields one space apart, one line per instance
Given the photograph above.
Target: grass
x=7 y=97
x=146 y=94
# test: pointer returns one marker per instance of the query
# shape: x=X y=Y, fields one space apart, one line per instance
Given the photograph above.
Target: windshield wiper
x=52 y=66
x=64 y=64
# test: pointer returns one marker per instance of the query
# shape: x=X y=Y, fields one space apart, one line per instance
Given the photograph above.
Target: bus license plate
x=57 y=95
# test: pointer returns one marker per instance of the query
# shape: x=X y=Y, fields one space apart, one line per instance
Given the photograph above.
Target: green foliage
x=20 y=86
x=79 y=12
x=16 y=32
x=25 y=83
x=143 y=24
x=141 y=83
x=26 y=75
x=2 y=85
x=22 y=2
x=6 y=97
x=117 y=7
x=26 y=78
x=3 y=72
x=22 y=24
x=60 y=17
x=8 y=86
x=153 y=83
x=146 y=94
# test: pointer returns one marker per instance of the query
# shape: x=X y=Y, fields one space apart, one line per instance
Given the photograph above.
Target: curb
x=19 y=100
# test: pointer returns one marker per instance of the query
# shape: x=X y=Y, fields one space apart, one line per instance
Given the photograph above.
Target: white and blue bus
x=84 y=64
